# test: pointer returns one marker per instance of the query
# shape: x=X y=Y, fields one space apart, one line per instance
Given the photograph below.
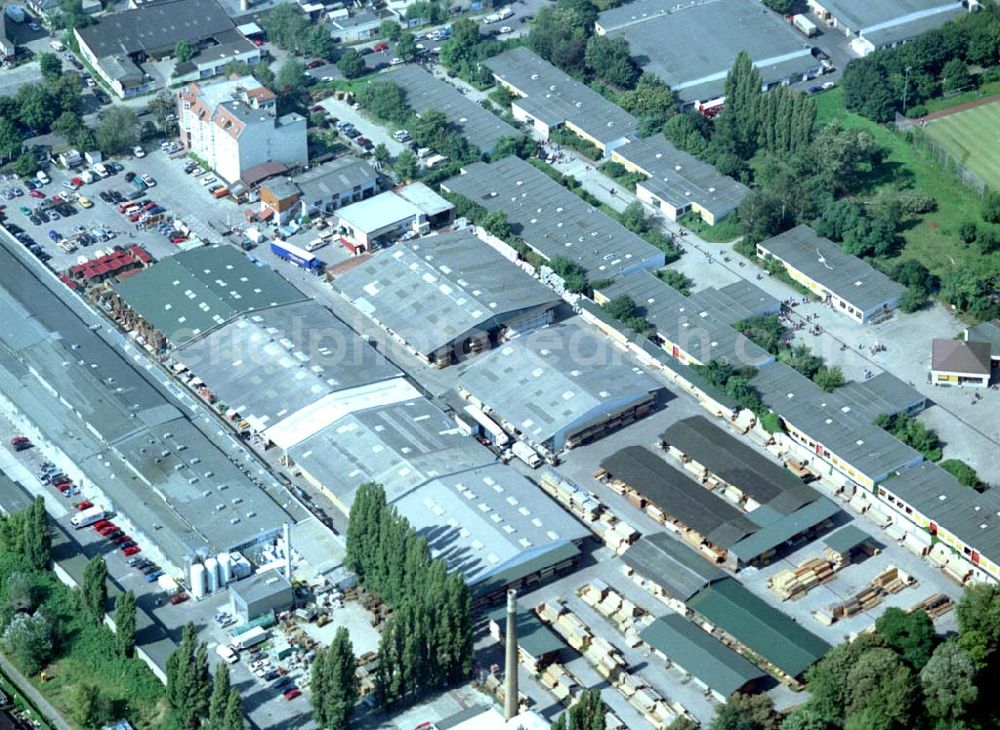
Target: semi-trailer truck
x=290 y=252
x=87 y=517
x=250 y=638
x=526 y=454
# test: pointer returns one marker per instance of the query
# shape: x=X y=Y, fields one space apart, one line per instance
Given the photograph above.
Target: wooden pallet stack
x=935 y=605
x=889 y=581
x=602 y=521
x=559 y=681
x=893 y=580
x=794 y=583
x=566 y=624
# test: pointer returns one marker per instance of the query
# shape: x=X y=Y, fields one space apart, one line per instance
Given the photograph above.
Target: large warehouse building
x=692 y=45
x=697 y=328
x=193 y=292
x=851 y=286
x=266 y=366
x=547 y=98
x=559 y=387
x=873 y=25
x=424 y=91
x=552 y=220
x=447 y=295
x=677 y=182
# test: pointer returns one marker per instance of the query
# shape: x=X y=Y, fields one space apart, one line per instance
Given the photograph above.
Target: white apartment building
x=233 y=125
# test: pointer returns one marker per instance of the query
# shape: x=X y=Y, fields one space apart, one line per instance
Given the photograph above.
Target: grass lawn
x=726 y=230
x=989 y=89
x=973 y=138
x=931 y=238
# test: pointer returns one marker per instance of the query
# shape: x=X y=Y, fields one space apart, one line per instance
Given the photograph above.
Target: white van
x=315 y=244
x=226 y=654
x=42 y=177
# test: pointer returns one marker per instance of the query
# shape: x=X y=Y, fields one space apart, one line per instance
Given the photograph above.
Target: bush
x=991 y=207
x=967 y=232
x=964 y=473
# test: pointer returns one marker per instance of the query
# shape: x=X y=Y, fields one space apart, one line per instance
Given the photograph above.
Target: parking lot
x=175 y=192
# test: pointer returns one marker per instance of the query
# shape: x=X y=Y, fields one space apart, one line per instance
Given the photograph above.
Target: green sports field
x=972 y=137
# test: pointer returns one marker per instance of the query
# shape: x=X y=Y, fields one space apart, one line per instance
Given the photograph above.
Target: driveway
x=368 y=128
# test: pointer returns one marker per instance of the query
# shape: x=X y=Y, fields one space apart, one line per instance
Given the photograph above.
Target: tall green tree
x=910 y=634
x=978 y=613
x=235 y=719
x=319 y=43
x=882 y=692
x=406 y=165
x=220 y=698
x=37 y=538
x=351 y=64
x=291 y=77
x=89 y=706
x=50 y=65
x=949 y=685
x=94 y=589
x=183 y=51
x=406 y=46
x=608 y=59
x=335 y=683
x=118 y=130
x=125 y=623
x=27 y=640
x=287 y=27
x=587 y=713
x=189 y=685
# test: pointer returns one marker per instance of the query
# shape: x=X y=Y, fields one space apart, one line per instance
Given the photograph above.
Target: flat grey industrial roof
x=729 y=458
x=556 y=380
x=260 y=586
x=433 y=291
x=681 y=179
x=700 y=653
x=485 y=520
x=555 y=97
x=424 y=91
x=973 y=517
x=670 y=563
x=841 y=422
x=863 y=15
x=693 y=46
x=400 y=446
x=268 y=364
x=534 y=637
x=333 y=178
x=192 y=292
x=701 y=324
x=716 y=520
x=823 y=261
x=765 y=630
x=553 y=220
x=986 y=332
x=133 y=416
x=155 y=27
x=893 y=32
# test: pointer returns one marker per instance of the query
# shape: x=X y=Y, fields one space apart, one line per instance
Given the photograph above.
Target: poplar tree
x=220 y=698
x=125 y=623
x=94 y=590
x=37 y=542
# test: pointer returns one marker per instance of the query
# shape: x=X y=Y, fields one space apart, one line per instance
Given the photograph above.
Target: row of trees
x=289 y=28
x=194 y=696
x=900 y=79
x=427 y=642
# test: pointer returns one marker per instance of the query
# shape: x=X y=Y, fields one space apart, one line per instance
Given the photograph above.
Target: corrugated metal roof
x=763 y=629
x=671 y=564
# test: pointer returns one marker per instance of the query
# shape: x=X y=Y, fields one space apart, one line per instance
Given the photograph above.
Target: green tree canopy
x=978 y=613
x=911 y=635
x=965 y=474
x=94 y=590
x=319 y=43
x=27 y=640
x=125 y=623
x=50 y=65
x=406 y=165
x=587 y=713
x=117 y=130
x=335 y=683
x=949 y=685
x=183 y=51
x=351 y=64
x=406 y=46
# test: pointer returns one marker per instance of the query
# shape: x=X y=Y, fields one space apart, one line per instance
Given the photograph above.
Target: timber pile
x=792 y=584
x=889 y=581
x=629 y=618
x=559 y=681
x=615 y=532
x=935 y=605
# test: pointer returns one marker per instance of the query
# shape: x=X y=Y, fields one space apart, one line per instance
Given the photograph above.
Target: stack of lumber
x=614 y=532
x=559 y=681
x=566 y=624
x=607 y=660
x=893 y=580
x=793 y=584
x=934 y=605
x=612 y=722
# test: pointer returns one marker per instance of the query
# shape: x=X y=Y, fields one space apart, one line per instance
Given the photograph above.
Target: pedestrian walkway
x=34 y=696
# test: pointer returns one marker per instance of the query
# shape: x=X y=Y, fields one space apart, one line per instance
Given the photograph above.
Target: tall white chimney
x=288 y=552
x=510 y=701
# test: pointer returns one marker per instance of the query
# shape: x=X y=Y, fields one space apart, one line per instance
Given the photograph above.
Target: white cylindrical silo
x=225 y=569
x=198 y=581
x=212 y=574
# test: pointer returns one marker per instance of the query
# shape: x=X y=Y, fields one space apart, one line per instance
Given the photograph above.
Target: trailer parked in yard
x=289 y=252
x=87 y=517
x=250 y=638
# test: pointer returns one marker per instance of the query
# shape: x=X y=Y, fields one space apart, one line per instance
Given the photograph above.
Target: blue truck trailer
x=301 y=258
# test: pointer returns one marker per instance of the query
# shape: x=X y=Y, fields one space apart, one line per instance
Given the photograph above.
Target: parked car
x=85 y=504
x=36 y=194
x=292 y=693
x=100 y=525
x=131 y=550
x=84 y=202
x=151 y=577
x=178 y=598
x=138 y=151
x=148 y=179
x=150 y=569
